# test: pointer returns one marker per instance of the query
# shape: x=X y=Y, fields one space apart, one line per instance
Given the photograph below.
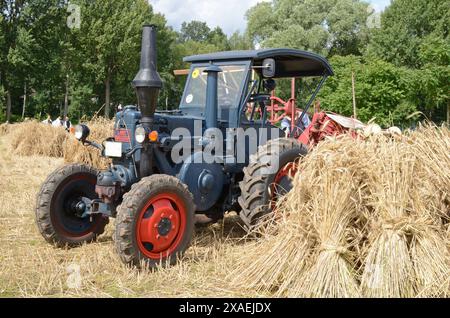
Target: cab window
x=230 y=81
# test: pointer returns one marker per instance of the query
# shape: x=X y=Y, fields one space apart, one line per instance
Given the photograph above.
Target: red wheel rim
x=161 y=225
x=287 y=171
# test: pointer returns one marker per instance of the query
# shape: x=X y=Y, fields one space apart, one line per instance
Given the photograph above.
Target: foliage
x=381 y=89
x=400 y=68
x=322 y=26
x=405 y=25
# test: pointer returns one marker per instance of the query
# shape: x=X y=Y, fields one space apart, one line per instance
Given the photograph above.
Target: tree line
x=79 y=58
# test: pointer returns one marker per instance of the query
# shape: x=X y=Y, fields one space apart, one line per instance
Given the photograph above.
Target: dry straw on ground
x=365 y=218
x=34 y=138
x=74 y=151
x=372 y=221
x=4 y=129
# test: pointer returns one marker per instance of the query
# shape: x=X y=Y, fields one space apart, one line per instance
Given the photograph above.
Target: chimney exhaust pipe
x=211 y=96
x=147 y=84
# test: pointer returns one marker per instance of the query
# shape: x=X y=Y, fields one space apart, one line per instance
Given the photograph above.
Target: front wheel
x=61 y=203
x=155 y=222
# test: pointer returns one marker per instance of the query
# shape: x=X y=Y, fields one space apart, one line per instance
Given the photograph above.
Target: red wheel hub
x=282 y=182
x=161 y=225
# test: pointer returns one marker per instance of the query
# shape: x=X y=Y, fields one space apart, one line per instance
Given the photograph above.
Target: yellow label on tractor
x=195 y=73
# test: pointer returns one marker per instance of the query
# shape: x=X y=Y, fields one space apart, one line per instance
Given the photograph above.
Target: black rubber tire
x=128 y=214
x=258 y=177
x=48 y=216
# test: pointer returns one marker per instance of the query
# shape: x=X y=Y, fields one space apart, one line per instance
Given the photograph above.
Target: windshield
x=229 y=87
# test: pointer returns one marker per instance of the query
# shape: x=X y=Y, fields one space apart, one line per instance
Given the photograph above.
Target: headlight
x=140 y=134
x=82 y=132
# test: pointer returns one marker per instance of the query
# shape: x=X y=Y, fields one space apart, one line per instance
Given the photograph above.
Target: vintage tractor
x=171 y=168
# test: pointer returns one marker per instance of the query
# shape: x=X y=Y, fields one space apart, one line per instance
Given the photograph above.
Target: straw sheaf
x=34 y=138
x=366 y=217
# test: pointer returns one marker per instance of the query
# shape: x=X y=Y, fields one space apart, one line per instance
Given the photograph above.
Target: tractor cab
x=246 y=82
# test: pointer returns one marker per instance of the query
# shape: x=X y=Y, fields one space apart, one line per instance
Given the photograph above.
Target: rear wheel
x=61 y=202
x=268 y=177
x=155 y=222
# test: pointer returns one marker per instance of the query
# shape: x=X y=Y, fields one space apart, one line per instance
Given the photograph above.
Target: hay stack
x=33 y=138
x=388 y=267
x=74 y=151
x=4 y=129
x=365 y=218
x=332 y=270
x=312 y=251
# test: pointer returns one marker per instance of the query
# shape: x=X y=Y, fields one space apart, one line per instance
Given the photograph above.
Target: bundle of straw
x=431 y=146
x=388 y=267
x=74 y=151
x=313 y=237
x=4 y=129
x=332 y=270
x=365 y=218
x=33 y=138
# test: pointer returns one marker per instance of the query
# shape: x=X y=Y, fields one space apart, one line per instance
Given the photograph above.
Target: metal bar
x=293 y=107
x=308 y=105
x=247 y=98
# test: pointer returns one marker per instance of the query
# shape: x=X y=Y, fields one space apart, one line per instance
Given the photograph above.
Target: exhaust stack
x=147 y=81
x=147 y=84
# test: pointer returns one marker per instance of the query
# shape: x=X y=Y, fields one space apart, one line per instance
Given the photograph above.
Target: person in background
x=286 y=123
x=67 y=124
x=47 y=121
x=57 y=122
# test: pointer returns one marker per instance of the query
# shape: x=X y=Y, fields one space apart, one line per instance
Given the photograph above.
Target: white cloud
x=228 y=14
x=379 y=5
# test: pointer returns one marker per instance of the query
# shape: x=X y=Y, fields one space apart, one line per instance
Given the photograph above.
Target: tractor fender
x=204 y=180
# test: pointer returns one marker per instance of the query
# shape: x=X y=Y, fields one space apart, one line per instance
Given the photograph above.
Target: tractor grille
x=122 y=135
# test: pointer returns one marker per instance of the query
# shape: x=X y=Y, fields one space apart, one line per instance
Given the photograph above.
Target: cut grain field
x=365 y=218
x=30 y=267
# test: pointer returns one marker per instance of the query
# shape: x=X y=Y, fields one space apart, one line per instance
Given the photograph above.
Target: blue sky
x=228 y=14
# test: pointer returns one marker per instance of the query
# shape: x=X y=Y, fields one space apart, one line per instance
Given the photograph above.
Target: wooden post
x=66 y=99
x=24 y=100
x=107 y=93
x=448 y=114
x=8 y=105
x=354 y=95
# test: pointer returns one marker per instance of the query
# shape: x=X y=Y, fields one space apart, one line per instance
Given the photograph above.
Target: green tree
x=194 y=31
x=415 y=34
x=238 y=41
x=10 y=10
x=109 y=37
x=30 y=51
x=383 y=91
x=323 y=26
x=405 y=24
x=432 y=80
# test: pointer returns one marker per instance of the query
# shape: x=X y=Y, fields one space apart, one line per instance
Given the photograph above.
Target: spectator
x=57 y=122
x=47 y=121
x=286 y=123
x=67 y=124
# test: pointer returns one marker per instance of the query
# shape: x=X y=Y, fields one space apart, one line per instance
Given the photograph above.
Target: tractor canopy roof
x=289 y=62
